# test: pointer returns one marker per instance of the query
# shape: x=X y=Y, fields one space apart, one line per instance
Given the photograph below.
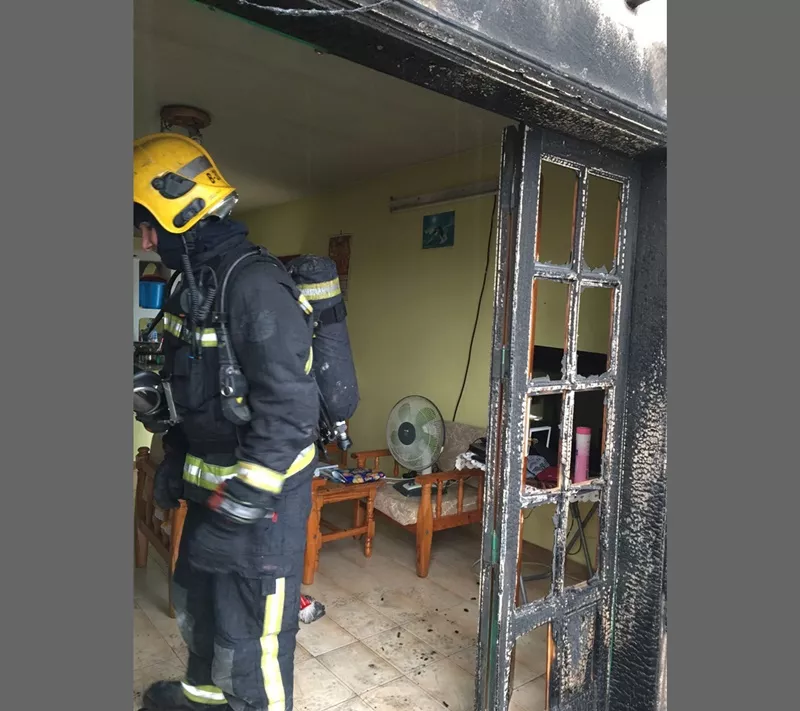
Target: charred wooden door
x=578 y=619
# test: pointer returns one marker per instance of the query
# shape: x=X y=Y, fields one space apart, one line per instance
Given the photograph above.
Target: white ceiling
x=287 y=121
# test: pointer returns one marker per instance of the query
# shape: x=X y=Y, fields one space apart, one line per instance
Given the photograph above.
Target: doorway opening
x=395 y=183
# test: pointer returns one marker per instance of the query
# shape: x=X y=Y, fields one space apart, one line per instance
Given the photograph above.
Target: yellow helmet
x=176 y=180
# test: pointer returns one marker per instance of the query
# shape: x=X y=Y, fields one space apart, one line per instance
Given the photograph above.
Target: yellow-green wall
x=141 y=437
x=411 y=311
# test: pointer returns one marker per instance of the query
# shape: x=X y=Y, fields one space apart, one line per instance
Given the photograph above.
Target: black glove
x=222 y=542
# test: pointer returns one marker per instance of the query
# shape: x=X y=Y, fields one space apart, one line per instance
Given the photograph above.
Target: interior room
x=398 y=185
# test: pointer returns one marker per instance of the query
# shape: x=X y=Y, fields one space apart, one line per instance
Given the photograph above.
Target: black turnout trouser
x=240 y=630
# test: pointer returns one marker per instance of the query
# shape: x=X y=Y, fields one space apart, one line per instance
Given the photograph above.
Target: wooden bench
x=462 y=505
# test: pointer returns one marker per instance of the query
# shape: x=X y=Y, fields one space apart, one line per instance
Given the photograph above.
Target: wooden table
x=324 y=492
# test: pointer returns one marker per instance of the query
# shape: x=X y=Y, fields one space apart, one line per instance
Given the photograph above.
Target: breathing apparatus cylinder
x=333 y=366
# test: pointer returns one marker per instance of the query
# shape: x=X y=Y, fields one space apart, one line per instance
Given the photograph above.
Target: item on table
x=541 y=465
x=351 y=476
x=583 y=438
x=548 y=476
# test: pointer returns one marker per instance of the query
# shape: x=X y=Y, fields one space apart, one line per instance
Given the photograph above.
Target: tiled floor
x=390 y=641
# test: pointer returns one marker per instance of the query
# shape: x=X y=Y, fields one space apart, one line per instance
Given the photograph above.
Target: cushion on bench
x=404 y=509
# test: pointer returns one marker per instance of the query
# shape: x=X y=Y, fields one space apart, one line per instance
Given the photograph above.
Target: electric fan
x=415 y=437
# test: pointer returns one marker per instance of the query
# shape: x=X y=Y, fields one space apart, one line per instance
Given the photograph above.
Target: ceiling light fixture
x=189 y=118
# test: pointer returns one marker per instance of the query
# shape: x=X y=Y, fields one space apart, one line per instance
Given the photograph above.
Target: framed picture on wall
x=439 y=230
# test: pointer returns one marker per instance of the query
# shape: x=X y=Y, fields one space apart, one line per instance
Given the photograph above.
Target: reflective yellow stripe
x=207 y=337
x=322 y=290
x=305 y=305
x=176 y=326
x=211 y=695
x=271 y=480
x=207 y=476
x=310 y=360
x=173 y=325
x=270 y=668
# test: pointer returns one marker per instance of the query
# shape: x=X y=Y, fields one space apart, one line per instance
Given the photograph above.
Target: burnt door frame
x=413 y=43
x=579 y=619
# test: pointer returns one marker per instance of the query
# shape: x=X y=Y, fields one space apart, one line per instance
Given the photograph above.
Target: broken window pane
x=529 y=672
x=536 y=558
x=602 y=223
x=549 y=328
x=594 y=330
x=542 y=455
x=541 y=472
x=557 y=197
x=582 y=540
x=589 y=422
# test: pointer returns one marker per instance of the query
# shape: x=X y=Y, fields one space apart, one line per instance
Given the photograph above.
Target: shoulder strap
x=262 y=255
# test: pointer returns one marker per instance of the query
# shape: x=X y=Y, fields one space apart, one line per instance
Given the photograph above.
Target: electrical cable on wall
x=480 y=301
x=314 y=13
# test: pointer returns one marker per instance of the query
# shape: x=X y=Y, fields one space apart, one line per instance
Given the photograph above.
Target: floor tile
x=394 y=544
x=531 y=696
x=359 y=667
x=356 y=580
x=402 y=649
x=446 y=682
x=464 y=616
x=403 y=603
x=531 y=651
x=323 y=636
x=145 y=676
x=157 y=614
x=317 y=689
x=154 y=559
x=459 y=580
x=401 y=695
x=360 y=619
x=149 y=647
x=467 y=659
x=445 y=636
x=150 y=583
x=182 y=653
x=353 y=704
x=398 y=604
x=328 y=592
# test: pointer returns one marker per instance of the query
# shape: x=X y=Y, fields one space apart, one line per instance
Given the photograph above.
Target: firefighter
x=243 y=451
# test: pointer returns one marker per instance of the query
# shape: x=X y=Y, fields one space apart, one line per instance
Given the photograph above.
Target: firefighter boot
x=169 y=696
